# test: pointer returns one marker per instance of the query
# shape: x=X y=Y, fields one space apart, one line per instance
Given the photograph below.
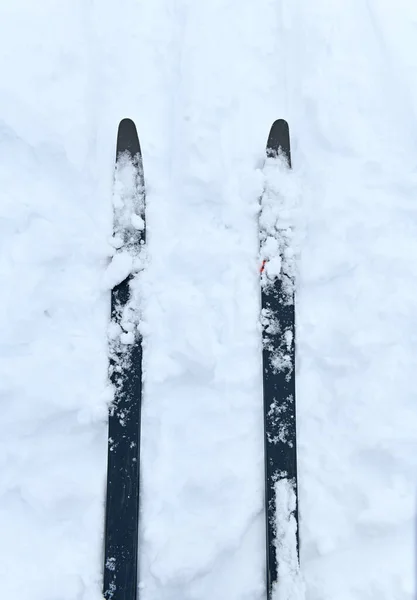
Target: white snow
x=204 y=81
x=118 y=270
x=290 y=585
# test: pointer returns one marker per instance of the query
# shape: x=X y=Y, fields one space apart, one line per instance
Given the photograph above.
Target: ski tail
x=120 y=576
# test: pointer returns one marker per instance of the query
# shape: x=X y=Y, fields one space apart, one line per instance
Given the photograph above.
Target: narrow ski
x=125 y=370
x=278 y=354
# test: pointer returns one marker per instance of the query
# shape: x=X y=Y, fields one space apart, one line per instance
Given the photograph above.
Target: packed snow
x=203 y=82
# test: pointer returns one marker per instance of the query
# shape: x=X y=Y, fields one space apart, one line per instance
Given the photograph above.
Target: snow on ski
x=122 y=505
x=278 y=352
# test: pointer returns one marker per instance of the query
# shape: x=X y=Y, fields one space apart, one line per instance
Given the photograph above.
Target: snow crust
x=204 y=81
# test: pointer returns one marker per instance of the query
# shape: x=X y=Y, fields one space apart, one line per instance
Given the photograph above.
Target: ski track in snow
x=203 y=82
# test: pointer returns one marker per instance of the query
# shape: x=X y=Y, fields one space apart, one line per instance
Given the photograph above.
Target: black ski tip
x=279 y=140
x=127 y=138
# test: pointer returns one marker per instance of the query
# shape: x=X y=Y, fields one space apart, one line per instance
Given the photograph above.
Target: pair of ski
x=278 y=353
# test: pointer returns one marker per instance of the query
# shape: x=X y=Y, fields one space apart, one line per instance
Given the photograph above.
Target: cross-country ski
x=122 y=504
x=278 y=350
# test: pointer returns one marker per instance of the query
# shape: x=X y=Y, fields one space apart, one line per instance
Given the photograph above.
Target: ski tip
x=126 y=122
x=127 y=138
x=280 y=123
x=279 y=140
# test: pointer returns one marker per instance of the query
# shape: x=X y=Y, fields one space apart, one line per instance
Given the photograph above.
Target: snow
x=118 y=270
x=290 y=585
x=204 y=82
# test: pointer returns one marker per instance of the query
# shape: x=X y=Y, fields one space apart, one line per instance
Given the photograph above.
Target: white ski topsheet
x=203 y=82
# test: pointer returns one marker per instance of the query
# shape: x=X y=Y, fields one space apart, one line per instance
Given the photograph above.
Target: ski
x=125 y=372
x=278 y=357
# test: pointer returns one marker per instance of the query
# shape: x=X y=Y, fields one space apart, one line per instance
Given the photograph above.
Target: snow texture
x=277 y=223
x=290 y=585
x=204 y=81
x=128 y=261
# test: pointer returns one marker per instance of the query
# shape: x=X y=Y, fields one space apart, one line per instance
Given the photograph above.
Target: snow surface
x=203 y=82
